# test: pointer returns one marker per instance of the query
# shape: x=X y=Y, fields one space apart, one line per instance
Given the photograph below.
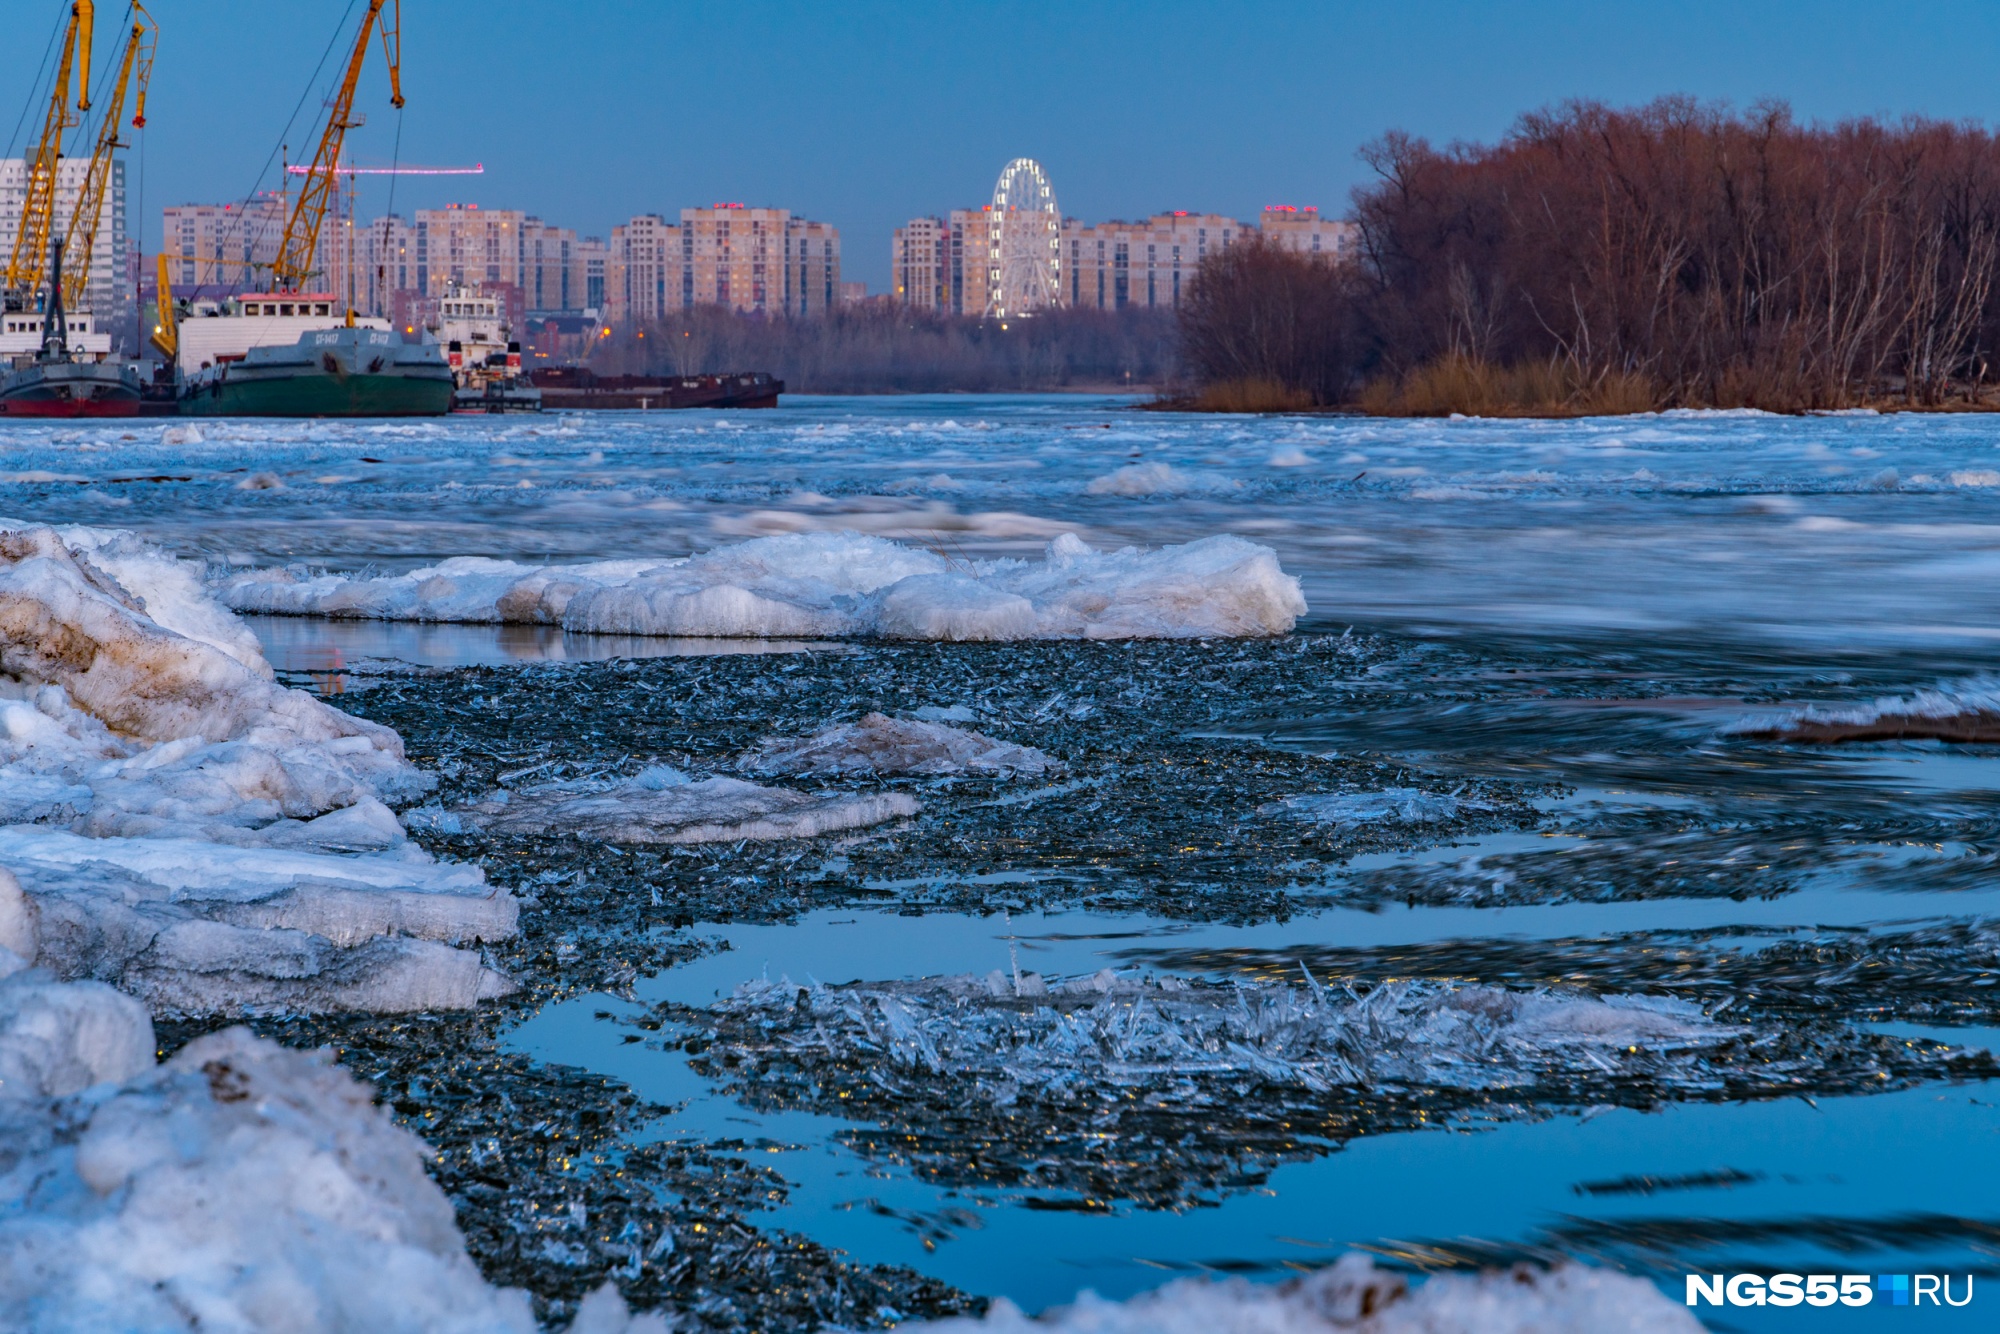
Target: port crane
x=81 y=239
x=296 y=250
x=38 y=207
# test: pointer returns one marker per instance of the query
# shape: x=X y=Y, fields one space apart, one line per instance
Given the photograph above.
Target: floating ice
x=1964 y=711
x=879 y=744
x=829 y=584
x=1354 y=1295
x=237 y=1186
x=1405 y=805
x=652 y=808
x=193 y=832
x=1023 y=1032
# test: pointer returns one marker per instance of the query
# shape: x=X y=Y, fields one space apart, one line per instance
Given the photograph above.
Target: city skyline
x=869 y=117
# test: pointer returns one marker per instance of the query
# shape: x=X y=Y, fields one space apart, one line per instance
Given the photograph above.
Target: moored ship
x=484 y=358
x=580 y=387
x=363 y=369
x=66 y=375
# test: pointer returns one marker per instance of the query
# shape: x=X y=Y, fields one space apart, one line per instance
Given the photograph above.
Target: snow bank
x=188 y=829
x=879 y=744
x=1403 y=805
x=1023 y=1032
x=1964 y=711
x=238 y=1186
x=829 y=584
x=1355 y=1296
x=661 y=805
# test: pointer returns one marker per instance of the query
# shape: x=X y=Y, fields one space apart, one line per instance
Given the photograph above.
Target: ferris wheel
x=1024 y=261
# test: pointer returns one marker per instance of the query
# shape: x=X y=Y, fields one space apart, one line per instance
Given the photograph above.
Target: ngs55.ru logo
x=1829 y=1289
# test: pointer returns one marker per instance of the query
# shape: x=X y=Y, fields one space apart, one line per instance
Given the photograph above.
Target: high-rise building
x=644 y=272
x=758 y=260
x=386 y=257
x=106 y=295
x=465 y=245
x=969 y=260
x=217 y=249
x=919 y=264
x=552 y=273
x=1112 y=265
x=1302 y=228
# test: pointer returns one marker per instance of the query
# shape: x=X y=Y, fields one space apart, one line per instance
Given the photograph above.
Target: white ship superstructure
x=213 y=333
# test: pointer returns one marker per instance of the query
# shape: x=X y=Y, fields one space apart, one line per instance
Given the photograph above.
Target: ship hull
x=574 y=387
x=70 y=389
x=327 y=373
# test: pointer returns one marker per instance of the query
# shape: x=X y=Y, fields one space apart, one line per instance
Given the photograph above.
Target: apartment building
x=758 y=260
x=1302 y=228
x=1111 y=265
x=215 y=249
x=643 y=273
x=919 y=264
x=468 y=246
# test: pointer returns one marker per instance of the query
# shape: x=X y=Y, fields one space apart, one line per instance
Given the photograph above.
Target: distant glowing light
x=305 y=169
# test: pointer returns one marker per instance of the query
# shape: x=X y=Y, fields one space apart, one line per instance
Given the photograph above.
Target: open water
x=1570 y=612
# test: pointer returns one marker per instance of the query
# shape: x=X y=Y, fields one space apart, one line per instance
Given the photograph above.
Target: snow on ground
x=829 y=584
x=237 y=1186
x=188 y=829
x=1355 y=1297
x=879 y=744
x=662 y=805
x=1022 y=1032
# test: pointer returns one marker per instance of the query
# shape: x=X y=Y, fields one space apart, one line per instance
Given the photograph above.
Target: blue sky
x=867 y=112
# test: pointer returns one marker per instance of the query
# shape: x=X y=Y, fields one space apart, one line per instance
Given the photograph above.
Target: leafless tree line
x=1719 y=258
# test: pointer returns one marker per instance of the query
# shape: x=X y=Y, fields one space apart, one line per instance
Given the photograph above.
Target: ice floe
x=662 y=805
x=877 y=744
x=1401 y=805
x=188 y=829
x=236 y=1186
x=1022 y=1032
x=1354 y=1295
x=828 y=584
x=1965 y=711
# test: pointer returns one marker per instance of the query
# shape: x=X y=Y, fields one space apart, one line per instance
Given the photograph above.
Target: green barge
x=340 y=372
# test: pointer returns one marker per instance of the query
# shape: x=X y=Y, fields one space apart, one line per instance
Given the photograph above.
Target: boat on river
x=60 y=370
x=285 y=355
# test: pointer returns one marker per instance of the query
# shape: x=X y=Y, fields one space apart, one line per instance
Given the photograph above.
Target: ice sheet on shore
x=188 y=829
x=662 y=805
x=189 y=927
x=829 y=584
x=237 y=1186
x=1962 y=711
x=1022 y=1032
x=1356 y=1297
x=877 y=744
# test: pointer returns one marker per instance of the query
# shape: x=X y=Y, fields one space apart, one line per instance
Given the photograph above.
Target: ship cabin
x=260 y=304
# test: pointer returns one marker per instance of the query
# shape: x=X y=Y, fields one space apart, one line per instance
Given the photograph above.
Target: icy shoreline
x=807 y=585
x=176 y=823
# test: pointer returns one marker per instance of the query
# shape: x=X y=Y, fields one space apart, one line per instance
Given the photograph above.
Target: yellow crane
x=294 y=265
x=38 y=208
x=81 y=239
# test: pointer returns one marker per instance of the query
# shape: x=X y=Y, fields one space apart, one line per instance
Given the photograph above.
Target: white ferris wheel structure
x=1024 y=244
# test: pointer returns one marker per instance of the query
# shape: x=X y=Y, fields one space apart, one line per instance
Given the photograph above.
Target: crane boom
x=38 y=205
x=167 y=330
x=81 y=240
x=296 y=249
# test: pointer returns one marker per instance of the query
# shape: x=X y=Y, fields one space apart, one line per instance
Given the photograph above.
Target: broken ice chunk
x=1354 y=1295
x=715 y=810
x=879 y=744
x=1404 y=805
x=257 y=1186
